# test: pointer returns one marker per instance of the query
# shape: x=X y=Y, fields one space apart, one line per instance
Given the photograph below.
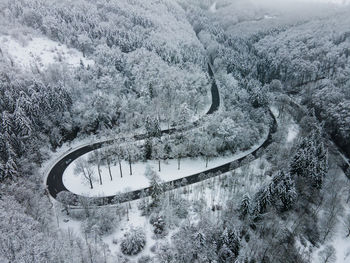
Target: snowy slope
x=40 y=52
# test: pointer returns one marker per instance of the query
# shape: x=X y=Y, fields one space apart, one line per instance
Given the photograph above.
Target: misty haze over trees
x=174 y=131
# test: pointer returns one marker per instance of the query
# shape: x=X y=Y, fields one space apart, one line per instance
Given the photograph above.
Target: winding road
x=55 y=184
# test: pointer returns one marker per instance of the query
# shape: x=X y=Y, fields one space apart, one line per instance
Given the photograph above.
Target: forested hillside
x=313 y=59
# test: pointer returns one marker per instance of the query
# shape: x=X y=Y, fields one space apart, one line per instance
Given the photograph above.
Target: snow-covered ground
x=339 y=241
x=169 y=171
x=293 y=130
x=248 y=178
x=41 y=52
x=341 y=244
x=212 y=8
x=269 y=17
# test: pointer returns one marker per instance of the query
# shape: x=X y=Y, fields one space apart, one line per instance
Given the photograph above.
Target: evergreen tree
x=228 y=246
x=310 y=162
x=148 y=149
x=321 y=165
x=261 y=201
x=11 y=169
x=156 y=188
x=283 y=191
x=245 y=206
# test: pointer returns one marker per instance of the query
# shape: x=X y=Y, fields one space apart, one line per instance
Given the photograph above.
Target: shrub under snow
x=133 y=242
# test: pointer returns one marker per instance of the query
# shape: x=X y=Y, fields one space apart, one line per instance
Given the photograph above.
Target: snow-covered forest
x=174 y=131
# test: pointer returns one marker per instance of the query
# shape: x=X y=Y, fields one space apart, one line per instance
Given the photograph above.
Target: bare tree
x=108 y=161
x=346 y=223
x=118 y=153
x=82 y=166
x=327 y=255
x=106 y=156
x=65 y=198
x=131 y=152
x=96 y=157
x=178 y=152
x=332 y=205
x=208 y=149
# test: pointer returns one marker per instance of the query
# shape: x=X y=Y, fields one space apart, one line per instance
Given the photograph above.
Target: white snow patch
x=269 y=17
x=212 y=8
x=339 y=241
x=274 y=110
x=135 y=220
x=41 y=52
x=293 y=131
x=169 y=171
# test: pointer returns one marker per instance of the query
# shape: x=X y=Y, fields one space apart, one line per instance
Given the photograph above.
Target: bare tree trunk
x=178 y=163
x=58 y=220
x=90 y=180
x=206 y=161
x=158 y=164
x=109 y=169
x=89 y=248
x=88 y=176
x=120 y=168
x=130 y=165
x=127 y=213
x=99 y=172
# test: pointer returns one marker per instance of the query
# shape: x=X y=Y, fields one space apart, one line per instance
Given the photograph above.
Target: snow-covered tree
x=158 y=151
x=244 y=208
x=133 y=242
x=131 y=153
x=118 y=154
x=156 y=187
x=283 y=191
x=66 y=198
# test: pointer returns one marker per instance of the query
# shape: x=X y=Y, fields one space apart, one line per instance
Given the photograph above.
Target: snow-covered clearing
x=274 y=110
x=293 y=130
x=40 y=52
x=169 y=171
x=74 y=226
x=269 y=17
x=212 y=8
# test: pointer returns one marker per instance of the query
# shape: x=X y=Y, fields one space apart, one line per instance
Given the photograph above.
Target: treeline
x=308 y=54
x=128 y=25
x=147 y=63
x=281 y=58
x=144 y=63
x=30 y=118
x=313 y=60
x=264 y=226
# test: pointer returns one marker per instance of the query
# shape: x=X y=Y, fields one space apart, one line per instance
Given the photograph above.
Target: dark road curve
x=55 y=184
